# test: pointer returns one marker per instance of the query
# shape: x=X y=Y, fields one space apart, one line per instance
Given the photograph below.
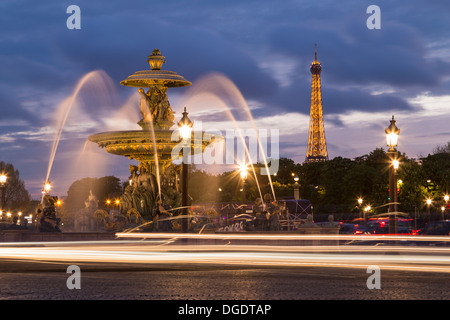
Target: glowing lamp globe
x=243 y=172
x=392 y=133
x=185 y=126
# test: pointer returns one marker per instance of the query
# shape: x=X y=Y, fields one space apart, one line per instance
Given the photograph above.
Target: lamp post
x=296 y=188
x=428 y=208
x=243 y=173
x=366 y=209
x=446 y=198
x=185 y=129
x=395 y=164
x=3 y=186
x=360 y=201
x=392 y=133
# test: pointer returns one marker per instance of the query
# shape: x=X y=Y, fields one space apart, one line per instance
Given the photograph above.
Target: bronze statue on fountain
x=46 y=214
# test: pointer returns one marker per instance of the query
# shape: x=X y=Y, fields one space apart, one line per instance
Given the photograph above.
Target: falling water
x=220 y=87
x=90 y=160
x=148 y=118
x=155 y=154
x=99 y=78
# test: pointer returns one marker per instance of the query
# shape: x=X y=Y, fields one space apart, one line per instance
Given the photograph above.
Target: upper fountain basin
x=148 y=78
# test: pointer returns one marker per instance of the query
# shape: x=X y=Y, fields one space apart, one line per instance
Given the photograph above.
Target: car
x=352 y=228
x=381 y=226
x=441 y=227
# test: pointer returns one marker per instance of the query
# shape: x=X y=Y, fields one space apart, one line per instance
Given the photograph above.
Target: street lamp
x=392 y=133
x=396 y=164
x=428 y=206
x=296 y=188
x=243 y=173
x=3 y=186
x=446 y=198
x=360 y=201
x=47 y=187
x=185 y=130
x=366 y=210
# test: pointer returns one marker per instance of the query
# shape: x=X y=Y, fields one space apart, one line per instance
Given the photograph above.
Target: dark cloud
x=363 y=70
x=11 y=106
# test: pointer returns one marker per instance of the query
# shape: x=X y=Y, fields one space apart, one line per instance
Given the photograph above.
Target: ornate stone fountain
x=152 y=145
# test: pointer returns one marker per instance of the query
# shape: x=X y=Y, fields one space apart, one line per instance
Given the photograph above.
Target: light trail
x=235 y=236
x=140 y=253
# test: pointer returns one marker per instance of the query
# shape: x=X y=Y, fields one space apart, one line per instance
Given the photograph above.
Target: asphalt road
x=106 y=281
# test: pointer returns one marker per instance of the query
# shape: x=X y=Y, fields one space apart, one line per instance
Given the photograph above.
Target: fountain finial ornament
x=156 y=60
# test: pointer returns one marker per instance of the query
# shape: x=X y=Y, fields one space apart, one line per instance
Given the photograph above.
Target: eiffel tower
x=317 y=147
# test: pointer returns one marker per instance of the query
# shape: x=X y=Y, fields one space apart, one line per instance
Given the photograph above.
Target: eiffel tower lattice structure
x=317 y=147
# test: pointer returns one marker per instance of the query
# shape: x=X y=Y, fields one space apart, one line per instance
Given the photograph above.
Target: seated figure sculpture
x=48 y=221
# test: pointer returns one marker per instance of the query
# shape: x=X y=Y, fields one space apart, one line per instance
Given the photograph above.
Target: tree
x=17 y=198
x=286 y=168
x=412 y=192
x=203 y=187
x=436 y=168
x=103 y=188
x=442 y=149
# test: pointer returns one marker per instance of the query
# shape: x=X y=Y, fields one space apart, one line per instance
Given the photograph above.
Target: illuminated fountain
x=152 y=146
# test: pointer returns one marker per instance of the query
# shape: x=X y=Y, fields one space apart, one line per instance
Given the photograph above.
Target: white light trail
x=412 y=258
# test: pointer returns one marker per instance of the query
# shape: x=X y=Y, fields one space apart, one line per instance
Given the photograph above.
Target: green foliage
x=437 y=170
x=412 y=191
x=17 y=197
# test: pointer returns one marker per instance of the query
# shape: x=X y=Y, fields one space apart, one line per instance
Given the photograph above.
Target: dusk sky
x=263 y=49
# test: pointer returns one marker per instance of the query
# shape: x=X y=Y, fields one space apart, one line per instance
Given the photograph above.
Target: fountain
x=156 y=175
